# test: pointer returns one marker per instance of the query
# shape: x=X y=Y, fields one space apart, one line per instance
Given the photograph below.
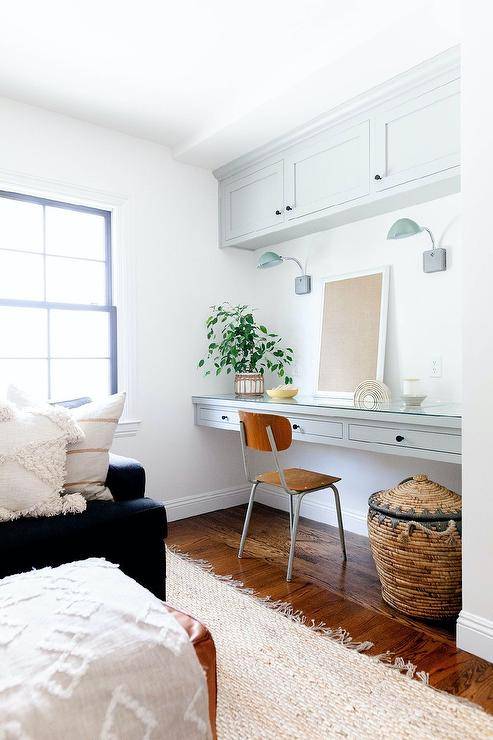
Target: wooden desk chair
x=270 y=433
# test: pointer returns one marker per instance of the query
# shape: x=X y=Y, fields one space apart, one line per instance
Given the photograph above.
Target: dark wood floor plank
x=328 y=590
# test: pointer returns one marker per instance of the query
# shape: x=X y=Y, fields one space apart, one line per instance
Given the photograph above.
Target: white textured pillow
x=88 y=460
x=32 y=462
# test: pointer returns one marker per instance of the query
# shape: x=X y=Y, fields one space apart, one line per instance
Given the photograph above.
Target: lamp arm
x=425 y=228
x=293 y=259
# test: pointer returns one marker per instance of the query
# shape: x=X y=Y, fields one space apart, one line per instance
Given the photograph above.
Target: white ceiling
x=178 y=72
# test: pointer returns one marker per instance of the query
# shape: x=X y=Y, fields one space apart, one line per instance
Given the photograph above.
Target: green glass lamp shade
x=269 y=259
x=404 y=227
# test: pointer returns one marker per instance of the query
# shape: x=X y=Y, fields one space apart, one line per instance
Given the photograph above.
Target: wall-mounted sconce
x=434 y=260
x=302 y=284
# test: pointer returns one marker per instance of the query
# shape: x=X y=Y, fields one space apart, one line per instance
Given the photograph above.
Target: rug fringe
x=399 y=664
x=287 y=610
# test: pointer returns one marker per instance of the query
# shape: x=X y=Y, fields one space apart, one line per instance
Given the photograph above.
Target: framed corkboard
x=353 y=329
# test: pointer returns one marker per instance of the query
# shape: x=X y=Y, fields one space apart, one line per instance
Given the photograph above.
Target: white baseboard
x=354 y=521
x=202 y=503
x=475 y=635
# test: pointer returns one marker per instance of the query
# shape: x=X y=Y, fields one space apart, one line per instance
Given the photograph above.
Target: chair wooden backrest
x=255 y=427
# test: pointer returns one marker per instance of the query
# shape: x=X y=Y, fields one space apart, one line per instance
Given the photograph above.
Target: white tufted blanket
x=85 y=652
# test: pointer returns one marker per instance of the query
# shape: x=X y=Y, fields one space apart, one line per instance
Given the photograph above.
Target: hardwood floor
x=326 y=589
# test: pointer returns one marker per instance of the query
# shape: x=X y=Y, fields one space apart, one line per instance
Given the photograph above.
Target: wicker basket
x=415 y=539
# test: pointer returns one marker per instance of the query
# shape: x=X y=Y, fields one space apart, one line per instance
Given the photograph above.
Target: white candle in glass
x=411 y=387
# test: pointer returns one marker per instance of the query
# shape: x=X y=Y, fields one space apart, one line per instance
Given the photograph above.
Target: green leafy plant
x=238 y=343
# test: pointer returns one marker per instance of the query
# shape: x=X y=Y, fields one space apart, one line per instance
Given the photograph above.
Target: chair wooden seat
x=298 y=479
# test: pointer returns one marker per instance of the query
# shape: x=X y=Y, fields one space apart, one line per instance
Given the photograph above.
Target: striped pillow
x=88 y=460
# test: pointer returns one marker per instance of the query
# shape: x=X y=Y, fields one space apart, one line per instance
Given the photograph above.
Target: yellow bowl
x=285 y=393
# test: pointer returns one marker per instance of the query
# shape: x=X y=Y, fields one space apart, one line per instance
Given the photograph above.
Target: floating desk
x=430 y=432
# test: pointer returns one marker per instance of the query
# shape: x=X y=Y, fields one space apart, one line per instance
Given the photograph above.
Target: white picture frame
x=369 y=347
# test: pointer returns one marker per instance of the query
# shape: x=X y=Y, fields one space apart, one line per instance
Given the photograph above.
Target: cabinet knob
x=289 y=208
x=224 y=418
x=399 y=438
x=278 y=212
x=378 y=177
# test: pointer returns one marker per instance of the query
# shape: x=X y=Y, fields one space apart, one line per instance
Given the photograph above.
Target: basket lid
x=418 y=498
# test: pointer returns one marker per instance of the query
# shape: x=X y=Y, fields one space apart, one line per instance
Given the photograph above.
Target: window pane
x=21 y=276
x=75 y=281
x=23 y=332
x=75 y=234
x=53 y=254
x=79 y=334
x=21 y=225
x=76 y=378
x=30 y=375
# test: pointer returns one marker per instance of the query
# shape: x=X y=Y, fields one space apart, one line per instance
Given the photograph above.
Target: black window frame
x=108 y=306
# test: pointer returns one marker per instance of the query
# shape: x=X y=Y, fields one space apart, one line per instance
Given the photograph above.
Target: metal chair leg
x=296 y=515
x=247 y=520
x=339 y=522
x=290 y=514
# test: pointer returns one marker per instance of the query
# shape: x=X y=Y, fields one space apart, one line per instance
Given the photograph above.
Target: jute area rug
x=279 y=678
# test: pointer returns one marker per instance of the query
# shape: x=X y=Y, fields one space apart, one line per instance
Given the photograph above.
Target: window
x=57 y=322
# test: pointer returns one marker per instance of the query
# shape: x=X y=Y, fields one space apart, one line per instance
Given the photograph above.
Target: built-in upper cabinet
x=253 y=202
x=327 y=170
x=396 y=146
x=418 y=136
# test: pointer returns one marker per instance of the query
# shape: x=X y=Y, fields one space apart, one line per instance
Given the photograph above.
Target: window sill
x=127 y=428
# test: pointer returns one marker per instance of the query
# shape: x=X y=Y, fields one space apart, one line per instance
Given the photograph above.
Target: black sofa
x=129 y=531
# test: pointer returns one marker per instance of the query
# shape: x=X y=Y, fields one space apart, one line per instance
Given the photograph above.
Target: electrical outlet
x=436 y=367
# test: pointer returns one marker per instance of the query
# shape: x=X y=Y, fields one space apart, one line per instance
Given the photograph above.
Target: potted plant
x=237 y=343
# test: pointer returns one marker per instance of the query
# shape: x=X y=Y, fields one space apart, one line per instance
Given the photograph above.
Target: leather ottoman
x=205 y=649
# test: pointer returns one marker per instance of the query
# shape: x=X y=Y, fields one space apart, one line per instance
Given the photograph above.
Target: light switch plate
x=435 y=260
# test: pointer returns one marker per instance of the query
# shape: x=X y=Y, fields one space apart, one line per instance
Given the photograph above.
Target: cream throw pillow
x=88 y=460
x=33 y=446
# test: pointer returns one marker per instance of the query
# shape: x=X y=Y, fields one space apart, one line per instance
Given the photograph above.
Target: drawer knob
x=296 y=426
x=224 y=418
x=289 y=208
x=278 y=212
x=399 y=438
x=378 y=177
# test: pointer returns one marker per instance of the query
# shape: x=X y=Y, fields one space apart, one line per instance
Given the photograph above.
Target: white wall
x=172 y=231
x=424 y=319
x=475 y=627
x=424 y=315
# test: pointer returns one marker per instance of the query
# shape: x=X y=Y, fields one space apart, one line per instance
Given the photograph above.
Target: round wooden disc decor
x=371 y=393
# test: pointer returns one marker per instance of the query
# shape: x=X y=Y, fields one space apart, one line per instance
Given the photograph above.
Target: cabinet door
x=327 y=170
x=418 y=137
x=250 y=202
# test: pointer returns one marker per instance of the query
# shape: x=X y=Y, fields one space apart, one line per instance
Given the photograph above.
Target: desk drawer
x=410 y=438
x=316 y=428
x=225 y=417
